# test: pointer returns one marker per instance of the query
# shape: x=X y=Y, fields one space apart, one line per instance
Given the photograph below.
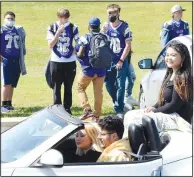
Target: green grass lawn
x=145 y=20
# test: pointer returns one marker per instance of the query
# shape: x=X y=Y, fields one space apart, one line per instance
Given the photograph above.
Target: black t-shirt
x=173 y=103
x=90 y=156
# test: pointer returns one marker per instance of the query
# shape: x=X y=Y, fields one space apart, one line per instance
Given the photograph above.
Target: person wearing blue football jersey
x=120 y=37
x=90 y=74
x=60 y=37
x=12 y=59
x=174 y=27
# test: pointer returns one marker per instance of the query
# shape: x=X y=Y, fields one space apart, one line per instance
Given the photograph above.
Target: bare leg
x=6 y=93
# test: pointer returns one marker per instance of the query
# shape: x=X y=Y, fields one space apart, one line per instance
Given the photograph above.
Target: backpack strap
x=92 y=40
x=71 y=27
x=53 y=27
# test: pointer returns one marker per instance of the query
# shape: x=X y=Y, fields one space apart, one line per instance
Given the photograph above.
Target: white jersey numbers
x=11 y=38
x=63 y=44
x=115 y=45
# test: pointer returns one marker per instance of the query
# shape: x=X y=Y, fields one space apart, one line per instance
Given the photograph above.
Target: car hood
x=6 y=171
x=179 y=147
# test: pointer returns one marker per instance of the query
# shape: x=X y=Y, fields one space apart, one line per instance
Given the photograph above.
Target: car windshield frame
x=29 y=134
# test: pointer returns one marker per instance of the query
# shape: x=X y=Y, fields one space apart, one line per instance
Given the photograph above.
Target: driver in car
x=116 y=148
x=88 y=145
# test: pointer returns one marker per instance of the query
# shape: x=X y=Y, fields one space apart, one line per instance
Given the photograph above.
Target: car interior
x=145 y=141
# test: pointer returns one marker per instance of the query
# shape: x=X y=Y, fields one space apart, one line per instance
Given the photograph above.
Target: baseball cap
x=94 y=21
x=176 y=8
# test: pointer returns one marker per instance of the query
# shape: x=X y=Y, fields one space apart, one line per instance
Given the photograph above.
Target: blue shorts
x=10 y=72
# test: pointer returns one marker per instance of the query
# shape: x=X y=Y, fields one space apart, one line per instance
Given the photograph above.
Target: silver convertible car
x=44 y=145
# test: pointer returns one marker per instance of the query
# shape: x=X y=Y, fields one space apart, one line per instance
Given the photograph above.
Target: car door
x=155 y=79
x=146 y=168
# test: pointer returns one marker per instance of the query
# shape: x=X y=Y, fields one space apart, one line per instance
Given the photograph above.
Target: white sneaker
x=120 y=115
x=132 y=101
x=4 y=110
x=128 y=106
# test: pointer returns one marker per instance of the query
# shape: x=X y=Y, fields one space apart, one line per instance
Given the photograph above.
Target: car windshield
x=24 y=137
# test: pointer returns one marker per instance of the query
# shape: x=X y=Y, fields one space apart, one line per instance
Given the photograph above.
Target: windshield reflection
x=29 y=134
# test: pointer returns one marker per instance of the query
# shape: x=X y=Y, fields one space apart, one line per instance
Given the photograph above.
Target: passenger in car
x=88 y=145
x=174 y=108
x=116 y=148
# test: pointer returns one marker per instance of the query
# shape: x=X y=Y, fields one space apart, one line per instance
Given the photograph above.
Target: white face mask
x=9 y=23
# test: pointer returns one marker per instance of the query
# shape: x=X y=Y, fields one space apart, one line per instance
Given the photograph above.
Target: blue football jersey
x=9 y=43
x=172 y=29
x=118 y=36
x=63 y=47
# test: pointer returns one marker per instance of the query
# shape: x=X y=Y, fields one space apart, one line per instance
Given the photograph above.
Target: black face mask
x=112 y=18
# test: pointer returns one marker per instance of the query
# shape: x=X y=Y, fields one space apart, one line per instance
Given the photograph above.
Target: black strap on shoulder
x=53 y=27
x=71 y=26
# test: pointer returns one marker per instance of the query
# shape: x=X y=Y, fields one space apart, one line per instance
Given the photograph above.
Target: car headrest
x=151 y=134
x=136 y=137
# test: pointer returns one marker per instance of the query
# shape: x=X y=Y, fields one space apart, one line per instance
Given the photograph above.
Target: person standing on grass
x=60 y=37
x=12 y=59
x=129 y=101
x=175 y=27
x=90 y=73
x=121 y=37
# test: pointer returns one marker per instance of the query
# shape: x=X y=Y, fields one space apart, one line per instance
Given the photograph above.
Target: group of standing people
x=119 y=76
x=173 y=111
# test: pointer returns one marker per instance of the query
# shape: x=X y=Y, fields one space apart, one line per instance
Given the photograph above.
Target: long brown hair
x=183 y=77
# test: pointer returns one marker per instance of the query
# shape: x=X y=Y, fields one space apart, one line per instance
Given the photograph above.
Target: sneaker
x=4 y=110
x=11 y=108
x=132 y=101
x=128 y=106
x=87 y=114
x=120 y=115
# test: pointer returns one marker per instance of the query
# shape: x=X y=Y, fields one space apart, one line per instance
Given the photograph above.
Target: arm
x=82 y=42
x=187 y=29
x=51 y=43
x=24 y=41
x=156 y=105
x=175 y=104
x=164 y=36
x=52 y=39
x=127 y=49
x=81 y=51
x=76 y=34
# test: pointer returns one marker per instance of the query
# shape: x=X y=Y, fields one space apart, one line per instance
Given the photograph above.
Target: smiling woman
x=174 y=108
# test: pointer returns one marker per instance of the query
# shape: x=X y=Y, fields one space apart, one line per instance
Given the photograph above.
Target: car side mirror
x=145 y=64
x=52 y=157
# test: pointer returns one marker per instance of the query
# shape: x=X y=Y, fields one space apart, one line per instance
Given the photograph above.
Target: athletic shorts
x=10 y=72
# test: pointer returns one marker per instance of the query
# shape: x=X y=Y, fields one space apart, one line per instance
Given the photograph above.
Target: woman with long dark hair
x=174 y=108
